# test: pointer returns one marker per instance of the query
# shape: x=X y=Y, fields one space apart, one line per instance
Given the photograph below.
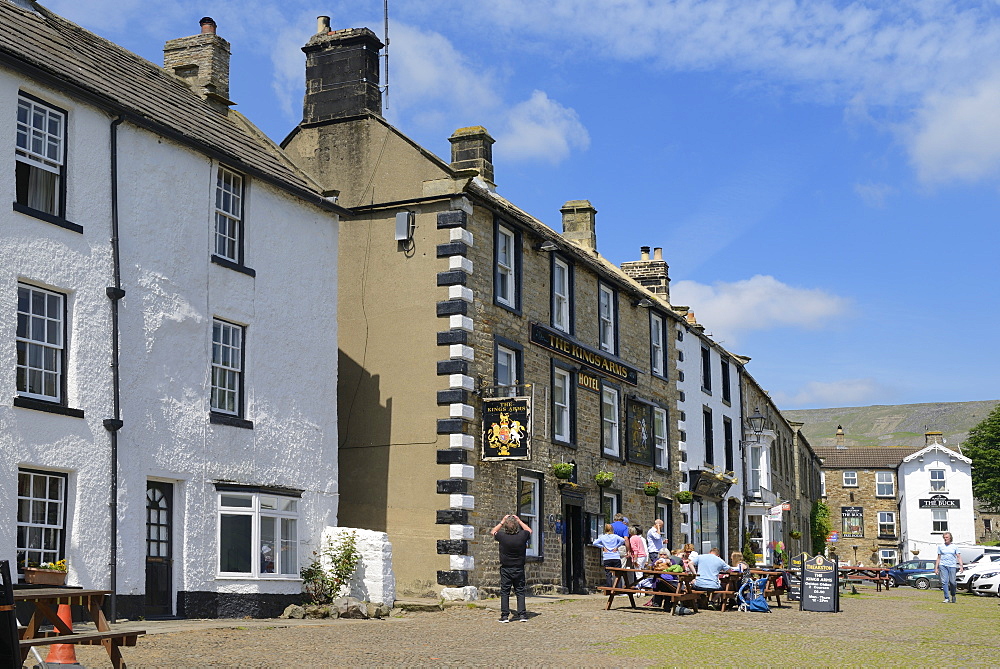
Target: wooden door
x=159 y=548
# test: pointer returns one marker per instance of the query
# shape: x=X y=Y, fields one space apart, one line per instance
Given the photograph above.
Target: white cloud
x=758 y=303
x=958 y=136
x=874 y=194
x=541 y=128
x=846 y=392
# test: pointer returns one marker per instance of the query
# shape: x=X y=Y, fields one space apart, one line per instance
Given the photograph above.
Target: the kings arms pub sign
x=595 y=360
x=507 y=428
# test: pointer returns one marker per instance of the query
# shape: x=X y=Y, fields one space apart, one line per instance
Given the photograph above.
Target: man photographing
x=513 y=542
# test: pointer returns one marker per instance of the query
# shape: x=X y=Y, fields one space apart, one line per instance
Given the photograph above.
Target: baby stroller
x=751 y=595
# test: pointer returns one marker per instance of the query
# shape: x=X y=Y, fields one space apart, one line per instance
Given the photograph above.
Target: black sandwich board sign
x=793 y=593
x=820 y=591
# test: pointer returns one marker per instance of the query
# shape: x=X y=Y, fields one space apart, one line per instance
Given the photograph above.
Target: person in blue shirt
x=620 y=526
x=708 y=566
x=609 y=543
x=947 y=566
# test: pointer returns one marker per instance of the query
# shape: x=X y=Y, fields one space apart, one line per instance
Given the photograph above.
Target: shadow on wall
x=365 y=426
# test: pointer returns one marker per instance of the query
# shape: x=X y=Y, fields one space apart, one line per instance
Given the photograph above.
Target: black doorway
x=159 y=548
x=574 y=575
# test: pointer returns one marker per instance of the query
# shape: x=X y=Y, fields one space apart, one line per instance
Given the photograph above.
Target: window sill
x=659 y=375
x=245 y=577
x=235 y=266
x=48 y=407
x=508 y=307
x=48 y=218
x=562 y=442
x=233 y=421
x=534 y=558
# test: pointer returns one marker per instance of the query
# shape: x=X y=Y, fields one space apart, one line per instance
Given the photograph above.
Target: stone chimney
x=840 y=438
x=472 y=149
x=933 y=438
x=578 y=219
x=342 y=73
x=202 y=61
x=652 y=274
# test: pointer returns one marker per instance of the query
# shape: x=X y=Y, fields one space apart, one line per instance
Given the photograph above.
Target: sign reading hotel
x=507 y=428
x=588 y=381
x=939 y=502
x=595 y=360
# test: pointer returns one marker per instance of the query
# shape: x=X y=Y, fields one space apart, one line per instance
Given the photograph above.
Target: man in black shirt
x=513 y=540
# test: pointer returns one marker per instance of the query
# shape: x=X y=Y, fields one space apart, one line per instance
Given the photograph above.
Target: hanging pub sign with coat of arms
x=507 y=428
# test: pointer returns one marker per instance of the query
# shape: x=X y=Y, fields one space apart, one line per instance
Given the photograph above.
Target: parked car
x=899 y=573
x=984 y=563
x=924 y=580
x=987 y=583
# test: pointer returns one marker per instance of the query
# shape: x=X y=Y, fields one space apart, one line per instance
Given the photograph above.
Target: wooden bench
x=124 y=637
x=620 y=586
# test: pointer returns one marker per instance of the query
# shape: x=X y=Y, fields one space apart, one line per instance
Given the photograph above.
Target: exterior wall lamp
x=645 y=303
x=548 y=246
x=756 y=422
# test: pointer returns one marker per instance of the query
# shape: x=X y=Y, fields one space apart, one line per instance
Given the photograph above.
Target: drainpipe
x=112 y=425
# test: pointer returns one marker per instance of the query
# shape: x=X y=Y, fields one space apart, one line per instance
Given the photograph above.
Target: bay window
x=258 y=535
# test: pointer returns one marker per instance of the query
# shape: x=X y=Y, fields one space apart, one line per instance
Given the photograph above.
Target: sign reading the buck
x=507 y=428
x=596 y=360
x=939 y=502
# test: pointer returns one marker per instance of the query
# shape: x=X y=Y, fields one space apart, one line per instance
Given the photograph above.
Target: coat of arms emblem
x=505 y=434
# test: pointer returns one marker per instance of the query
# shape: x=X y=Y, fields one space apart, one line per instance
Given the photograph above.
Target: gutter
x=114 y=424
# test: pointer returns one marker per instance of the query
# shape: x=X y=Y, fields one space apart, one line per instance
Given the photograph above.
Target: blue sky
x=822 y=176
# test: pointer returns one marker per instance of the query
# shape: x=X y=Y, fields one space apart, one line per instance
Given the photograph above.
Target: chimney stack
x=202 y=61
x=933 y=438
x=840 y=438
x=651 y=274
x=472 y=149
x=342 y=73
x=579 y=223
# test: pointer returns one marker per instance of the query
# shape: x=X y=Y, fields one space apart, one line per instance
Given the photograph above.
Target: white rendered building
x=168 y=327
x=935 y=496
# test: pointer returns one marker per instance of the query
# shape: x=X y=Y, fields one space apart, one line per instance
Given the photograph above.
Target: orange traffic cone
x=63 y=653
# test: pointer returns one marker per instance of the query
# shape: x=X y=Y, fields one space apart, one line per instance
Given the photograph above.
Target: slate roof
x=67 y=57
x=863 y=458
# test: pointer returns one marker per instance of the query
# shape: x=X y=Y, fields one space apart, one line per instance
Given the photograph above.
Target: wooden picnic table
x=626 y=580
x=877 y=575
x=46 y=602
x=771 y=589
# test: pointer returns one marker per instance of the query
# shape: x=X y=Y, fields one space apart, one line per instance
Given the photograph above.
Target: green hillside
x=899 y=425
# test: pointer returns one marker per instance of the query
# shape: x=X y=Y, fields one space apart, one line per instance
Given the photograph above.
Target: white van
x=971 y=554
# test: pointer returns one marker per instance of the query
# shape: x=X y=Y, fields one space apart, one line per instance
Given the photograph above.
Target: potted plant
x=795 y=534
x=47 y=573
x=604 y=478
x=563 y=470
x=651 y=488
x=684 y=497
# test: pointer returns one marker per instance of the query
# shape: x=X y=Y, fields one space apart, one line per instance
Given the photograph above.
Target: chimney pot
x=208 y=25
x=658 y=253
x=653 y=275
x=644 y=252
x=202 y=61
x=322 y=25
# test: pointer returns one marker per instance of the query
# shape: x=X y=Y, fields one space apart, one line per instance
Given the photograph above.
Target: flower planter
x=651 y=491
x=44 y=576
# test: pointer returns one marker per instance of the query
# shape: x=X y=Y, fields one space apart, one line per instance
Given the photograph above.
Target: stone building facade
x=456 y=303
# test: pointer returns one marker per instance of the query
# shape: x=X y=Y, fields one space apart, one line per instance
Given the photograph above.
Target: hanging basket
x=684 y=497
x=604 y=479
x=651 y=489
x=44 y=576
x=563 y=470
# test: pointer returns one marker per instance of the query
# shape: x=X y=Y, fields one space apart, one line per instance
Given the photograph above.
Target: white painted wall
x=166 y=196
x=915 y=484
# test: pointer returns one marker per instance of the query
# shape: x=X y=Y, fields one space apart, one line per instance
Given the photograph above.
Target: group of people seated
x=632 y=551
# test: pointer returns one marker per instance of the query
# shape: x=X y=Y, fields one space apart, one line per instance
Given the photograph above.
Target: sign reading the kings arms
x=559 y=343
x=507 y=428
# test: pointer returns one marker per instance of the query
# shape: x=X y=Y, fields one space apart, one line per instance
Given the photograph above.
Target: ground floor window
x=258 y=534
x=612 y=504
x=939 y=522
x=41 y=517
x=711 y=527
x=529 y=504
x=887 y=556
x=755 y=528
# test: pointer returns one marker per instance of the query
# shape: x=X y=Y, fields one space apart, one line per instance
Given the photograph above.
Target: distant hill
x=899 y=425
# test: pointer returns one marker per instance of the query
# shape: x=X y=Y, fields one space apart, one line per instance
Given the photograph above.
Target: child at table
x=738 y=563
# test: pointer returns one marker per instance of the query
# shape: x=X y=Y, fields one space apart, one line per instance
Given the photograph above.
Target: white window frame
x=938 y=483
x=531 y=514
x=510 y=355
x=939 y=521
x=284 y=539
x=610 y=424
x=656 y=348
x=887 y=520
x=611 y=508
x=850 y=479
x=606 y=319
x=560 y=294
x=661 y=455
x=228 y=340
x=880 y=484
x=756 y=467
x=505 y=275
x=40 y=144
x=229 y=196
x=562 y=404
x=40 y=535
x=888 y=555
x=40 y=343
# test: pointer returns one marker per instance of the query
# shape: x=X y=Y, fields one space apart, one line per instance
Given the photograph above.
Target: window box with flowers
x=47 y=573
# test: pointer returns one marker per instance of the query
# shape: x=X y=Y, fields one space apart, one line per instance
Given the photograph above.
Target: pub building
x=478 y=347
